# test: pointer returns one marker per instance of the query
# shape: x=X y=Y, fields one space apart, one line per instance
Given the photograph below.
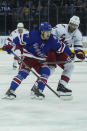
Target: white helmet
x=75 y=20
x=20 y=25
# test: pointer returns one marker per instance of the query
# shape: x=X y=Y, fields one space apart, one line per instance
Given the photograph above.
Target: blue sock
x=44 y=74
x=18 y=79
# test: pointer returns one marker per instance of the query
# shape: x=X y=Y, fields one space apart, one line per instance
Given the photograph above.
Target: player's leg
x=39 y=86
x=22 y=74
x=10 y=94
x=44 y=72
x=65 y=77
x=15 y=61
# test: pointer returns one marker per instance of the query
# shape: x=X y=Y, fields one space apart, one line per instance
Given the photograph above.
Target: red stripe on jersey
x=65 y=78
x=20 y=35
x=62 y=47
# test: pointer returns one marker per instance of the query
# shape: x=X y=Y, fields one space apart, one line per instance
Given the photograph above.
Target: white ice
x=50 y=114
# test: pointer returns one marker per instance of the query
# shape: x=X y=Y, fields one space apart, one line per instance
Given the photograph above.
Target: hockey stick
x=56 y=62
x=34 y=73
x=80 y=61
x=61 y=62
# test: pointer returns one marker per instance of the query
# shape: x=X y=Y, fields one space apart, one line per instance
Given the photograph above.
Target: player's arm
x=78 y=46
x=9 y=45
x=63 y=48
x=16 y=42
x=68 y=51
x=25 y=39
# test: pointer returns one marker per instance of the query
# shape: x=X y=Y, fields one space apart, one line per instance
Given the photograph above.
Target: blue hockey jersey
x=36 y=47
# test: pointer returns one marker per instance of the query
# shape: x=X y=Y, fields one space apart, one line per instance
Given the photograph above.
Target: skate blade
x=8 y=98
x=66 y=98
x=32 y=96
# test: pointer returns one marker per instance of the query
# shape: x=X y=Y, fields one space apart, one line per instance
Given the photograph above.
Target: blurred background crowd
x=33 y=12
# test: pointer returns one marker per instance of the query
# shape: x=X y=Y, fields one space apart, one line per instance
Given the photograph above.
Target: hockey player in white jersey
x=18 y=49
x=71 y=35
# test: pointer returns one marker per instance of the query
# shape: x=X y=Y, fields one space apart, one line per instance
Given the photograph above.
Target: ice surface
x=50 y=114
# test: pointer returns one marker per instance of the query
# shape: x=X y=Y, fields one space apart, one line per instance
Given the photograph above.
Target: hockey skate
x=36 y=93
x=64 y=93
x=10 y=94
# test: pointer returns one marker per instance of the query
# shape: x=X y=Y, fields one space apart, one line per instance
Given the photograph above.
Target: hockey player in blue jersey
x=38 y=44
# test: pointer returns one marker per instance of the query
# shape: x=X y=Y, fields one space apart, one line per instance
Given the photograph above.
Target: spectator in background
x=38 y=11
x=25 y=12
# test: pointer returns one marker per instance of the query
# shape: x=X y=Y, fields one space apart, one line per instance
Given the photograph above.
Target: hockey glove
x=80 y=54
x=7 y=48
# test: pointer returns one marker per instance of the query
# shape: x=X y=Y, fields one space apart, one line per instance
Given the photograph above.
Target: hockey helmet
x=75 y=20
x=20 y=25
x=45 y=26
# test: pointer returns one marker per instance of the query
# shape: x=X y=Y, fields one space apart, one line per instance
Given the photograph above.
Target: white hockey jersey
x=72 y=39
x=14 y=34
